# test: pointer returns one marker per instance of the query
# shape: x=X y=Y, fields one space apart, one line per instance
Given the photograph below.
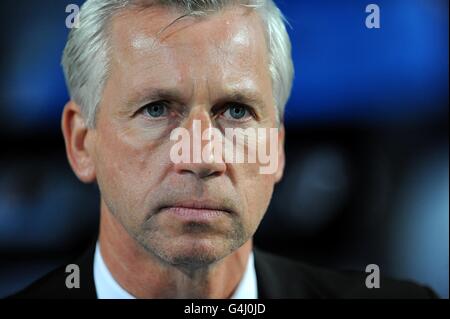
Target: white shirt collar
x=108 y=288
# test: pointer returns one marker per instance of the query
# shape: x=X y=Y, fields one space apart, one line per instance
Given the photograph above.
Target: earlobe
x=281 y=155
x=78 y=141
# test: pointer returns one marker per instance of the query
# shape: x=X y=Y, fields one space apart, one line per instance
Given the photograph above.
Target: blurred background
x=367 y=177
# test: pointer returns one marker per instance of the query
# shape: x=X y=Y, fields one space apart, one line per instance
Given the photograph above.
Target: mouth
x=196 y=211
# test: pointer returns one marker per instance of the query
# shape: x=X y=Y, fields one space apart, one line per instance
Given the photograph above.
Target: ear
x=281 y=155
x=79 y=142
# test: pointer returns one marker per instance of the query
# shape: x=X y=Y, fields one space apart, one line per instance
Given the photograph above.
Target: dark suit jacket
x=277 y=277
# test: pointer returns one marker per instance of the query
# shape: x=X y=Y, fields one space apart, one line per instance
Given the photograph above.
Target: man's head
x=136 y=70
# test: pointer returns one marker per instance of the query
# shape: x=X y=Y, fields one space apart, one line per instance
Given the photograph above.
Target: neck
x=144 y=275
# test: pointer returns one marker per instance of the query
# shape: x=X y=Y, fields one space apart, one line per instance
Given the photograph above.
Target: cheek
x=263 y=189
x=130 y=166
x=256 y=180
x=257 y=189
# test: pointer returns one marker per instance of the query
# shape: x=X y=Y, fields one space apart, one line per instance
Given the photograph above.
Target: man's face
x=212 y=69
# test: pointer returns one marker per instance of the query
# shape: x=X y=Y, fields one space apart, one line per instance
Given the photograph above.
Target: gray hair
x=86 y=56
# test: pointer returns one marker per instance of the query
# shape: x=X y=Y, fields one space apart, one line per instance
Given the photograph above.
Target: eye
x=236 y=112
x=156 y=109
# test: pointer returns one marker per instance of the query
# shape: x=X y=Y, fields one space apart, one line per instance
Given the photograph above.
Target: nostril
x=200 y=172
x=208 y=173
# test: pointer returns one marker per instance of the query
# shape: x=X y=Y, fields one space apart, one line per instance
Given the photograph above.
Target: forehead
x=150 y=47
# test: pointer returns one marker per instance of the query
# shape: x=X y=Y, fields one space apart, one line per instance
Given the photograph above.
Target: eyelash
x=143 y=109
x=249 y=109
x=220 y=110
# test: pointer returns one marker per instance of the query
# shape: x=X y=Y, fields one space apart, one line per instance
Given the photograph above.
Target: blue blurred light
x=346 y=71
x=343 y=70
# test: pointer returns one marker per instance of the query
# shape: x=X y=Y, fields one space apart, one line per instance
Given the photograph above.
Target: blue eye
x=236 y=112
x=156 y=110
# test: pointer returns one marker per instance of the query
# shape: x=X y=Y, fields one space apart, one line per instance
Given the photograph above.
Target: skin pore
x=199 y=68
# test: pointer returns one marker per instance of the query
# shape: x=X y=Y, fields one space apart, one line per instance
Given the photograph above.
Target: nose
x=202 y=163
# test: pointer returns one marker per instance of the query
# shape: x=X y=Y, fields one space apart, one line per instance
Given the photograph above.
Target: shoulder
x=280 y=277
x=50 y=286
x=53 y=285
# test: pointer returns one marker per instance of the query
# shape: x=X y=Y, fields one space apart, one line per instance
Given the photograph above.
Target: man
x=138 y=70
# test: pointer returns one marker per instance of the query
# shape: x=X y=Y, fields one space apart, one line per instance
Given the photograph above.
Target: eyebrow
x=154 y=95
x=253 y=98
x=250 y=97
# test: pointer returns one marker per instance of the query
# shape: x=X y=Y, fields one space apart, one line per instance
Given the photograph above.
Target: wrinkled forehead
x=162 y=33
x=168 y=24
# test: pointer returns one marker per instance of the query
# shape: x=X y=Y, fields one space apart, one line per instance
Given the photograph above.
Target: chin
x=191 y=247
x=198 y=252
x=191 y=252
